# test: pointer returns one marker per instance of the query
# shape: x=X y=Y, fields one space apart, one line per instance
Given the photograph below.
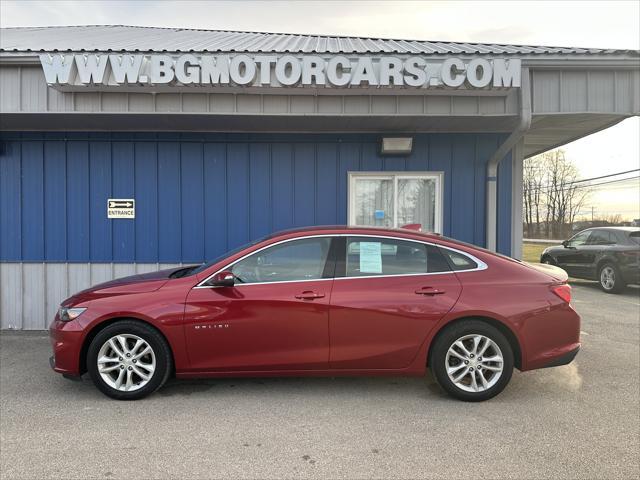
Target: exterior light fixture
x=396 y=145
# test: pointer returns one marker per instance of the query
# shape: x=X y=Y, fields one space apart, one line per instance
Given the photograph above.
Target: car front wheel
x=128 y=360
x=472 y=360
x=610 y=278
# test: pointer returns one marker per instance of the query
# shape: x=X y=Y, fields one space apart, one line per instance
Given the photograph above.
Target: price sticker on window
x=370 y=257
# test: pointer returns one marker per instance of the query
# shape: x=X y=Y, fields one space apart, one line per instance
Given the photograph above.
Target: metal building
x=125 y=149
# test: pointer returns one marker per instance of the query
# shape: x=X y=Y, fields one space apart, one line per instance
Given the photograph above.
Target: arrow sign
x=121 y=208
x=113 y=204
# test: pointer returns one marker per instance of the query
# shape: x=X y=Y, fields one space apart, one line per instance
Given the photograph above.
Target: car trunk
x=554 y=272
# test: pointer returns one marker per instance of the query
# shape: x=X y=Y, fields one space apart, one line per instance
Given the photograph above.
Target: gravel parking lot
x=577 y=421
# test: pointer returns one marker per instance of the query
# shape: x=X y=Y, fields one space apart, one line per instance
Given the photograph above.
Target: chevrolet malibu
x=324 y=301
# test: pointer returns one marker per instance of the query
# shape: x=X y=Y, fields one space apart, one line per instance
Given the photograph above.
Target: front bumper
x=66 y=342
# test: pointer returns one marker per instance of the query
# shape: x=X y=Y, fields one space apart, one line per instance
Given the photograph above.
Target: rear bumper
x=631 y=273
x=552 y=337
x=563 y=359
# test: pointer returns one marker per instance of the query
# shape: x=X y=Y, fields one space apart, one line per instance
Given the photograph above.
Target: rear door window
x=372 y=256
x=601 y=237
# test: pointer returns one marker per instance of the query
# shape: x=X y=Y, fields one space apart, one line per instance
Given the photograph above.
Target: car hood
x=554 y=272
x=140 y=283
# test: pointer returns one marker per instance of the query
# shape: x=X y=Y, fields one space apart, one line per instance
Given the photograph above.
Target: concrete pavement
x=577 y=421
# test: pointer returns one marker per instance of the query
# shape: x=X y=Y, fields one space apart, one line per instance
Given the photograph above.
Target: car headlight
x=67 y=314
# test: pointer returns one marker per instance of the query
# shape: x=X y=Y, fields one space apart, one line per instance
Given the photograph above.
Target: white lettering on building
x=112 y=70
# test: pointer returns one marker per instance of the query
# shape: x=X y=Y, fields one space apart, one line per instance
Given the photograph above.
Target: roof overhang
x=574 y=91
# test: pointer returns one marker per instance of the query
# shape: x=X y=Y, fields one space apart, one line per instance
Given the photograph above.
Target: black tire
x=548 y=260
x=161 y=350
x=618 y=281
x=458 y=330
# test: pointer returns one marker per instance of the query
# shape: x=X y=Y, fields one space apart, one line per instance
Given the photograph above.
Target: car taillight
x=562 y=291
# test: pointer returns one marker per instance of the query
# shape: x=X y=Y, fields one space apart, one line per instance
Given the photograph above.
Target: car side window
x=459 y=261
x=296 y=260
x=579 y=239
x=370 y=256
x=600 y=237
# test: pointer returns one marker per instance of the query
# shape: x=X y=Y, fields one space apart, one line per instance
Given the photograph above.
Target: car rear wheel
x=128 y=360
x=610 y=278
x=472 y=360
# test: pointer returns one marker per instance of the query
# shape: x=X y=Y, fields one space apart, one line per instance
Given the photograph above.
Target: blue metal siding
x=198 y=195
x=100 y=245
x=169 y=204
x=55 y=202
x=32 y=201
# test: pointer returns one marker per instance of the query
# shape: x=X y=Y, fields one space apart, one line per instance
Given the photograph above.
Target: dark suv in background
x=610 y=255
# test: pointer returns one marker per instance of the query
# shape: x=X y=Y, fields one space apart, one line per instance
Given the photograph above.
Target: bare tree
x=533 y=176
x=552 y=190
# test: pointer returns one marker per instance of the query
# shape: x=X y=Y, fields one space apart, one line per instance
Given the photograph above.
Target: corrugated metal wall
x=30 y=293
x=197 y=195
x=580 y=91
x=23 y=89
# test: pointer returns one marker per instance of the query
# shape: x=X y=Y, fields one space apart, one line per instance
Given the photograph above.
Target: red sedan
x=324 y=301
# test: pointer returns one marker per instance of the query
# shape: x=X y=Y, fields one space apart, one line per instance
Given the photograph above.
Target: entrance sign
x=338 y=71
x=121 y=208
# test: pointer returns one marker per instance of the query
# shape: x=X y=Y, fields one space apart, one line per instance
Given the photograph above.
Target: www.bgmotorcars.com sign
x=139 y=70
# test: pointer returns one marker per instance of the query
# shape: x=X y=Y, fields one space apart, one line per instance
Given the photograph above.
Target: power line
x=604 y=183
x=568 y=186
x=605 y=176
x=546 y=187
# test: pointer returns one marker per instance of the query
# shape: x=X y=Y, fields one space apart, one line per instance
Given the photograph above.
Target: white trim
x=480 y=263
x=438 y=176
x=517 y=159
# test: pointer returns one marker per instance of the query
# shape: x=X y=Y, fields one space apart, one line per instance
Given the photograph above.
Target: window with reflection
x=296 y=260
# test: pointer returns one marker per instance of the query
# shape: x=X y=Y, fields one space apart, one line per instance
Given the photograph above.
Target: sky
x=598 y=24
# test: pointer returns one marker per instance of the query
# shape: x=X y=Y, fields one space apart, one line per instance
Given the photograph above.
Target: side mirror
x=222 y=279
x=565 y=243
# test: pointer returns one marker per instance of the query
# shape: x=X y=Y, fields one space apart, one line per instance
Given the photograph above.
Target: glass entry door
x=394 y=200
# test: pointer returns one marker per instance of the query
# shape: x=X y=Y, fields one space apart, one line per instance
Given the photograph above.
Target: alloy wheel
x=608 y=278
x=474 y=363
x=126 y=362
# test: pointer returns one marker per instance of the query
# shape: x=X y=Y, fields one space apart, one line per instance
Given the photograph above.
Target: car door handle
x=429 y=291
x=309 y=295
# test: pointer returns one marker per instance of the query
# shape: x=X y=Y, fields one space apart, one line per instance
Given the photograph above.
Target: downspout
x=492 y=165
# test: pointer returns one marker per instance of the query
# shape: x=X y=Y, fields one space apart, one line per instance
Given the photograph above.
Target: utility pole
x=592 y=211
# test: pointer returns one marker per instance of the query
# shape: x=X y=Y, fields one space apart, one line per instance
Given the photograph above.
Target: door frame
x=438 y=176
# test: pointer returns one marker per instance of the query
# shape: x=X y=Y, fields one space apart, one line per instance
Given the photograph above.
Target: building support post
x=517 y=159
x=492 y=165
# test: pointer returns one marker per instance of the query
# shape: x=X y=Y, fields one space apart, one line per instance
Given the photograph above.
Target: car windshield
x=206 y=265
